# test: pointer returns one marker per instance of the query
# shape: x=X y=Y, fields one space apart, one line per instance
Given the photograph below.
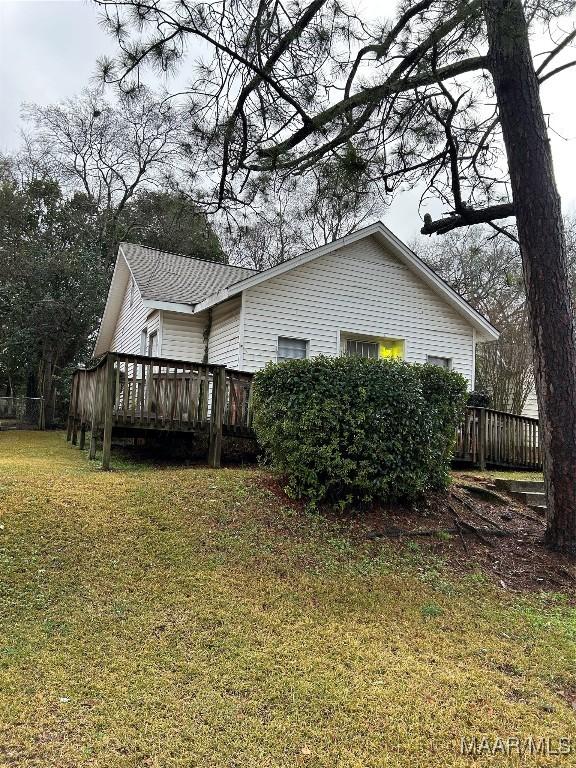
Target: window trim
x=306 y=343
x=144 y=340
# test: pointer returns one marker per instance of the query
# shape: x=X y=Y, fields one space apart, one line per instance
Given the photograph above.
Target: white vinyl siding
x=133 y=317
x=531 y=404
x=360 y=290
x=183 y=336
x=224 y=344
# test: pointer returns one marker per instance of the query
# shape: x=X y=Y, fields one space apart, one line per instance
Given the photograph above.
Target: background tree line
x=486 y=269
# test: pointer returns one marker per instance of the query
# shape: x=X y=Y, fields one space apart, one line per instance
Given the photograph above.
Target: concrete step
x=519 y=486
x=533 y=500
x=529 y=492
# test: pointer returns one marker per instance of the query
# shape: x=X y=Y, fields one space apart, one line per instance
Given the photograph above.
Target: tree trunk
x=543 y=248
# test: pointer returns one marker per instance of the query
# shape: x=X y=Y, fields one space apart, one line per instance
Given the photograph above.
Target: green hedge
x=345 y=429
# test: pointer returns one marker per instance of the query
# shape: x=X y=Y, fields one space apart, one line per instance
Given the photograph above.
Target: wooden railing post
x=217 y=416
x=82 y=442
x=108 y=411
x=482 y=439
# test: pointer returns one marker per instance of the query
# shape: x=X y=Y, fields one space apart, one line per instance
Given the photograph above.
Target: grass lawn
x=492 y=474
x=162 y=616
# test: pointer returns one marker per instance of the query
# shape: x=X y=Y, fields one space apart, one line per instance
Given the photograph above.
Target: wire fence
x=22 y=413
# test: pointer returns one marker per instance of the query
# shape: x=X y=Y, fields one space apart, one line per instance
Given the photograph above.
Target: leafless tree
x=298 y=213
x=107 y=151
x=487 y=272
x=446 y=93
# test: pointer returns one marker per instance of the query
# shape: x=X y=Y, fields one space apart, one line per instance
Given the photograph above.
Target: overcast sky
x=48 y=50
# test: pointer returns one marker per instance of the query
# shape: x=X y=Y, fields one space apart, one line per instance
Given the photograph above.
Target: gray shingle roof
x=181 y=279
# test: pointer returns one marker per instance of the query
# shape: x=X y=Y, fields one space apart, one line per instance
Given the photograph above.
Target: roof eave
x=169 y=306
x=109 y=318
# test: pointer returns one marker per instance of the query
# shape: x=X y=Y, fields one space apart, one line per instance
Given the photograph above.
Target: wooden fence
x=490 y=438
x=141 y=392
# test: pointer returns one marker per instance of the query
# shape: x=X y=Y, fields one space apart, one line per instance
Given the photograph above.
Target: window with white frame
x=292 y=349
x=441 y=362
x=153 y=344
x=143 y=340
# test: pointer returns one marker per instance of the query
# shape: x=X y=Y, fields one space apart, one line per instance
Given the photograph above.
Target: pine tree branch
x=469 y=216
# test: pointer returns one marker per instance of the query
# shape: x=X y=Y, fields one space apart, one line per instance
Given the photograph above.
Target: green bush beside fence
x=349 y=430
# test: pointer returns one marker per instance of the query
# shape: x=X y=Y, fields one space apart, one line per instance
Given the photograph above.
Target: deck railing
x=137 y=391
x=155 y=393
x=489 y=438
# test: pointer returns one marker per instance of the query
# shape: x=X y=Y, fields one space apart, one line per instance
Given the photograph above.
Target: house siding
x=531 y=404
x=359 y=289
x=183 y=336
x=132 y=318
x=223 y=347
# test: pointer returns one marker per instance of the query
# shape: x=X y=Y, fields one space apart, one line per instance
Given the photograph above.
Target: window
x=356 y=348
x=441 y=362
x=392 y=348
x=292 y=349
x=373 y=348
x=143 y=339
x=131 y=291
x=153 y=344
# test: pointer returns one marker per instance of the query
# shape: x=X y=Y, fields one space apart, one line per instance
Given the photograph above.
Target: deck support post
x=75 y=413
x=72 y=425
x=93 y=437
x=217 y=416
x=482 y=439
x=82 y=442
x=93 y=444
x=108 y=411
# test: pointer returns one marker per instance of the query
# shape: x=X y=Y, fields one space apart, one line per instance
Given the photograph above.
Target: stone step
x=533 y=500
x=519 y=486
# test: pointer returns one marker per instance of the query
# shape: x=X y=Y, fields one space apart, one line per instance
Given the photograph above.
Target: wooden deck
x=135 y=392
x=491 y=439
x=128 y=393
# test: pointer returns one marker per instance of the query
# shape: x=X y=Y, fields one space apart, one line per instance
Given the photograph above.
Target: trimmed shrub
x=345 y=429
x=478 y=399
x=445 y=393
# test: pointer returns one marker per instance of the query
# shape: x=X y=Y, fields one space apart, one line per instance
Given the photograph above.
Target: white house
x=366 y=294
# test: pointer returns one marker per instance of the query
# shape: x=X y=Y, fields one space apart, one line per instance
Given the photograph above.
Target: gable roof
x=389 y=241
x=169 y=277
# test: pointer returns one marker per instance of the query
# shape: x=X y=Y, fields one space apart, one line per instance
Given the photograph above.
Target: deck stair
x=529 y=492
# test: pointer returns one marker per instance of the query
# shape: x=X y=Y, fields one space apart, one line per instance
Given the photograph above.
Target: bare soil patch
x=472 y=527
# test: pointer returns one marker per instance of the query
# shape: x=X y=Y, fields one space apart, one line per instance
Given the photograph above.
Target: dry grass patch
x=160 y=616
